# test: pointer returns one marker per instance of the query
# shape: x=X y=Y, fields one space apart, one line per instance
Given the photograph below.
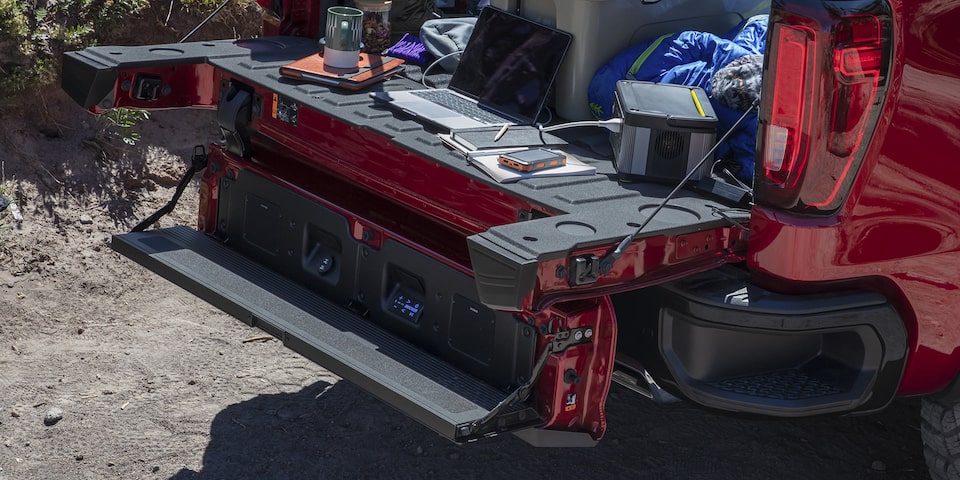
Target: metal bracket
x=584 y=270
x=532 y=214
x=146 y=87
x=561 y=341
x=197 y=162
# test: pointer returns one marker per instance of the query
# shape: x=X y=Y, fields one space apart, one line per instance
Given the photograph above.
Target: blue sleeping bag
x=692 y=58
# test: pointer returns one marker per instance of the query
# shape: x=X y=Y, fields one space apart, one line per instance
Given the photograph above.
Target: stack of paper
x=502 y=174
x=482 y=147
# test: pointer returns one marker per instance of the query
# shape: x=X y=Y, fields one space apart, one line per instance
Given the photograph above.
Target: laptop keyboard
x=460 y=105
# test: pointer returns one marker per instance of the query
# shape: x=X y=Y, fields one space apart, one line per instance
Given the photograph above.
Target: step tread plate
x=422 y=386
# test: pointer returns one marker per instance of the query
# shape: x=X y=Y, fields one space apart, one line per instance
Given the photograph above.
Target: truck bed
x=599 y=202
x=497 y=267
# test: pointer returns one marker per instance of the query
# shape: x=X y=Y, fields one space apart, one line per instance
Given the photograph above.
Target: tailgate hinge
x=233 y=117
x=500 y=418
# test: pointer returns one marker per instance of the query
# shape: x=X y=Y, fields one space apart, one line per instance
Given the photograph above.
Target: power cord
x=613 y=124
x=549 y=116
x=423 y=79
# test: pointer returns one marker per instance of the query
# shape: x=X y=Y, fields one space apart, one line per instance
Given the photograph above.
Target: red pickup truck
x=361 y=241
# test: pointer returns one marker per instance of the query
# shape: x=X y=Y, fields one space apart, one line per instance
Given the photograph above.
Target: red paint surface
x=592 y=362
x=189 y=85
x=898 y=231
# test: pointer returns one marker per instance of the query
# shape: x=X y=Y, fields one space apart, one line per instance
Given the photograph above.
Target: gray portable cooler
x=667 y=129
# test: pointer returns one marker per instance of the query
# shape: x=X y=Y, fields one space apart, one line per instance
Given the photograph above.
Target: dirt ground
x=156 y=384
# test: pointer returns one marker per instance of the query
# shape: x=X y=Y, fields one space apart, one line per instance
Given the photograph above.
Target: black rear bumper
x=725 y=343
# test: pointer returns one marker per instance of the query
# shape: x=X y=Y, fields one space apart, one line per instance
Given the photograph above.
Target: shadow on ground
x=70 y=158
x=338 y=431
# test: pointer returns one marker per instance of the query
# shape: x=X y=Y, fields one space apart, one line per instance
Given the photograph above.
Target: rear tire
x=940 y=431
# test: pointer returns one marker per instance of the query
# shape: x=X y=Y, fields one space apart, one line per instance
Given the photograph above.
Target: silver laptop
x=504 y=75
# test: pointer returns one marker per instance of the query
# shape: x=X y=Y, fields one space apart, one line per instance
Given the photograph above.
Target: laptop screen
x=510 y=63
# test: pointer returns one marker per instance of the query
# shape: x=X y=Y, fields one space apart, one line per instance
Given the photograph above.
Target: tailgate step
x=415 y=382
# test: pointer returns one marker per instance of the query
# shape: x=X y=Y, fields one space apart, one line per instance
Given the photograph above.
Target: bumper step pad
x=790 y=384
x=420 y=385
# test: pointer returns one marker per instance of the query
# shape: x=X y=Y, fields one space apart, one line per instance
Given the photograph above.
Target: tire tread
x=940 y=432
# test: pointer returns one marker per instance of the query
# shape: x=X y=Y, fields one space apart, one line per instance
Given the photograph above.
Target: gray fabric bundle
x=444 y=36
x=737 y=84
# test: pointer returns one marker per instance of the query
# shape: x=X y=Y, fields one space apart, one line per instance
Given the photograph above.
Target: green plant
x=200 y=4
x=119 y=123
x=34 y=34
x=13 y=21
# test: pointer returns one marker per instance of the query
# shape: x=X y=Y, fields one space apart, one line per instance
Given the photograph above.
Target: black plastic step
x=722 y=341
x=789 y=384
x=420 y=385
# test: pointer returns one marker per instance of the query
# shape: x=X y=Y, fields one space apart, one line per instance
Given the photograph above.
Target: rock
x=878 y=466
x=78 y=457
x=155 y=469
x=15 y=211
x=419 y=450
x=454 y=456
x=86 y=219
x=14 y=414
x=53 y=416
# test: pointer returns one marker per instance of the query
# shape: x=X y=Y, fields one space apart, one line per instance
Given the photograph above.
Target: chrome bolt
x=561 y=272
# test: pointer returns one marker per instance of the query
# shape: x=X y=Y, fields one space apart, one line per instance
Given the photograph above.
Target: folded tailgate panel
x=422 y=386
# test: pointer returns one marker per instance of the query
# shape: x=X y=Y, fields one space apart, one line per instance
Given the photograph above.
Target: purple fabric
x=409 y=48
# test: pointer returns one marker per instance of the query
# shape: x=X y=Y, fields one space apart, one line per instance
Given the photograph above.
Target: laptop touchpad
x=432 y=110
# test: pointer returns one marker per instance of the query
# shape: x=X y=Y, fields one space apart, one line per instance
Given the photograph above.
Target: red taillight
x=783 y=146
x=857 y=60
x=822 y=92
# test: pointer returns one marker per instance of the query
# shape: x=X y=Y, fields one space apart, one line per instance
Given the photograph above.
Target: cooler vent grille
x=669 y=144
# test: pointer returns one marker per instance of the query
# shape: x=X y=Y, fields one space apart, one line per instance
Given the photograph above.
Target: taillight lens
x=784 y=146
x=824 y=83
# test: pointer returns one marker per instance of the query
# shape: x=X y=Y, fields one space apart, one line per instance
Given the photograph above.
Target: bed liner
x=600 y=199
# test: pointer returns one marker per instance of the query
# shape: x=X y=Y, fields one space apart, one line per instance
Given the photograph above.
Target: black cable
x=737 y=180
x=197 y=163
x=606 y=263
x=205 y=20
x=730 y=219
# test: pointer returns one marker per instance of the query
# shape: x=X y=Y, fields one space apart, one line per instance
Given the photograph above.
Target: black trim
x=87 y=80
x=723 y=342
x=504 y=277
x=294 y=236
